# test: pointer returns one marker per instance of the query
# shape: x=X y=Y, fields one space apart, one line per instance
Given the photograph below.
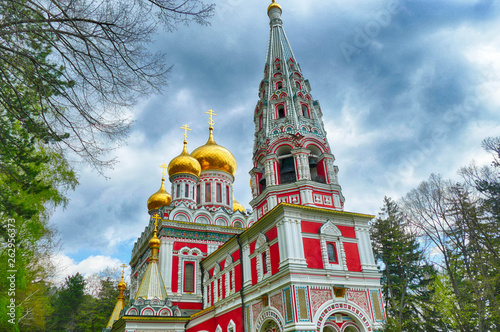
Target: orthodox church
x=295 y=262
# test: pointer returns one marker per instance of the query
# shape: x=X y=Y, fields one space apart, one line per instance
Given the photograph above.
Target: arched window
x=198 y=194
x=281 y=111
x=219 y=193
x=208 y=192
x=332 y=252
x=189 y=277
x=264 y=262
x=305 y=111
x=279 y=85
x=186 y=190
x=178 y=191
x=297 y=84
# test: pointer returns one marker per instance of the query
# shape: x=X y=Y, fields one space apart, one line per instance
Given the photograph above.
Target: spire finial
x=211 y=120
x=186 y=128
x=156 y=217
x=123 y=266
x=164 y=166
x=273 y=5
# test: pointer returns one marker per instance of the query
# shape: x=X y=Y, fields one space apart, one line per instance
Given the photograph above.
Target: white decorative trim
x=329 y=232
x=232 y=326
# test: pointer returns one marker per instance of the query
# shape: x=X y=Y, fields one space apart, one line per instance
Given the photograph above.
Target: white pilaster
x=165 y=260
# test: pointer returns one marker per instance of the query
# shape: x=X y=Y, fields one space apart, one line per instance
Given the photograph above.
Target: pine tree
x=406 y=275
x=67 y=302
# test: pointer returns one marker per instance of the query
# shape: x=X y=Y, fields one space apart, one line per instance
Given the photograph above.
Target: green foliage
x=407 y=277
x=77 y=310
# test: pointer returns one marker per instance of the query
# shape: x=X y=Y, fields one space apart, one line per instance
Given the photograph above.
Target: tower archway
x=347 y=317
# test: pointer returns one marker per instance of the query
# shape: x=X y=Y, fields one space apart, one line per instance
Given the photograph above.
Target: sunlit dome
x=212 y=156
x=159 y=198
x=184 y=164
x=237 y=206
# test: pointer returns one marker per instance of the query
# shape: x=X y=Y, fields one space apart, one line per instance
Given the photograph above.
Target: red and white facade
x=297 y=262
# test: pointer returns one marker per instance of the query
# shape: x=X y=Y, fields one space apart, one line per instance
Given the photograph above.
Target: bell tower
x=292 y=159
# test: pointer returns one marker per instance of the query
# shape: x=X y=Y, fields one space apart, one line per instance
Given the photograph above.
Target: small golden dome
x=159 y=198
x=154 y=242
x=212 y=156
x=273 y=5
x=122 y=285
x=237 y=206
x=184 y=163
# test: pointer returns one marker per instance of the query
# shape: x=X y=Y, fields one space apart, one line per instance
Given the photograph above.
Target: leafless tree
x=70 y=68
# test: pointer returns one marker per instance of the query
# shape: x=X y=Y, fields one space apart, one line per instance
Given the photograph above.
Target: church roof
x=152 y=285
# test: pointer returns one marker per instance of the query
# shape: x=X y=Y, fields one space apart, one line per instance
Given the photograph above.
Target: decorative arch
x=221 y=221
x=132 y=312
x=147 y=311
x=228 y=261
x=155 y=301
x=352 y=326
x=200 y=216
x=218 y=329
x=274 y=97
x=268 y=315
x=280 y=144
x=261 y=240
x=330 y=327
x=283 y=95
x=232 y=326
x=181 y=216
x=330 y=308
x=165 y=312
x=329 y=228
x=238 y=223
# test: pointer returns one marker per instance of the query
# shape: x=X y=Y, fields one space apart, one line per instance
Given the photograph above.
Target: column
x=245 y=261
x=165 y=261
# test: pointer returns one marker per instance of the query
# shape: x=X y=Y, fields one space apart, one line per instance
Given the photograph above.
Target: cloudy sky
x=407 y=88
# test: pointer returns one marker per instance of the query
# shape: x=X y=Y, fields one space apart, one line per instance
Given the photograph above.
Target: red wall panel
x=352 y=257
x=252 y=247
x=237 y=278
x=272 y=234
x=179 y=245
x=175 y=273
x=312 y=253
x=236 y=255
x=275 y=258
x=310 y=227
x=347 y=231
x=253 y=268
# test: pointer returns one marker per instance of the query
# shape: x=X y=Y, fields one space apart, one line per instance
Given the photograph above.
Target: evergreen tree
x=406 y=275
x=67 y=302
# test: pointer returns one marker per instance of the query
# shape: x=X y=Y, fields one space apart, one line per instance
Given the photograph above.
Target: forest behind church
x=67 y=72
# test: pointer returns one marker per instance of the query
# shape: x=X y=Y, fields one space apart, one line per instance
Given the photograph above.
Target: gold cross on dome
x=123 y=266
x=186 y=128
x=156 y=217
x=211 y=121
x=164 y=166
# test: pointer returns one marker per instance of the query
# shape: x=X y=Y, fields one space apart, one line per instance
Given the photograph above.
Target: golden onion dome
x=154 y=242
x=159 y=198
x=122 y=285
x=237 y=206
x=212 y=156
x=273 y=5
x=184 y=164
